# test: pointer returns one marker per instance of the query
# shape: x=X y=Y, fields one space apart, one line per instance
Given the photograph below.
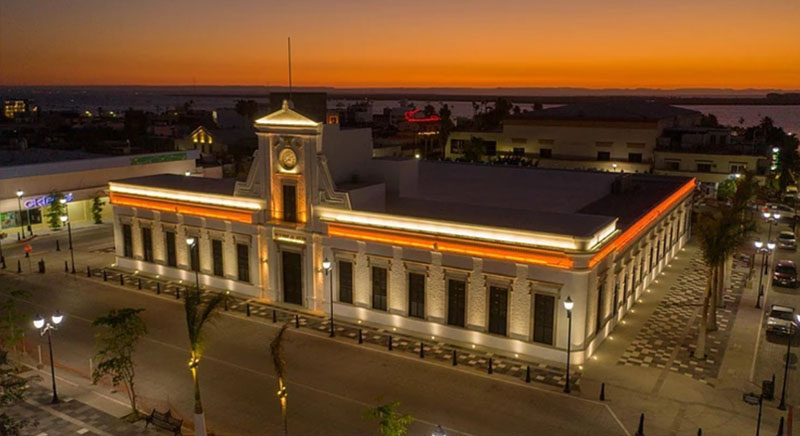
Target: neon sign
x=43 y=201
x=409 y=115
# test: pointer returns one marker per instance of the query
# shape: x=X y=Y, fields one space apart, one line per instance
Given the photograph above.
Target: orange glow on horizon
x=509 y=43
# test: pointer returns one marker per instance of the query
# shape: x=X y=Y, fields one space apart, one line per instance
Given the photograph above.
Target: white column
x=362 y=283
x=435 y=289
x=476 y=300
x=181 y=250
x=159 y=251
x=317 y=286
x=136 y=238
x=520 y=316
x=118 y=239
x=398 y=290
x=204 y=251
x=228 y=254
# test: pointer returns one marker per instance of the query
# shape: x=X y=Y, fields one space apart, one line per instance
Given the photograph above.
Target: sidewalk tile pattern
x=440 y=351
x=667 y=332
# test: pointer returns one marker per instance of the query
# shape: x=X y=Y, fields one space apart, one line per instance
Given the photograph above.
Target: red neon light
x=410 y=117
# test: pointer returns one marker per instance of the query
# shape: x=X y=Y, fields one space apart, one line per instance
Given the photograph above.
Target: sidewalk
x=83 y=409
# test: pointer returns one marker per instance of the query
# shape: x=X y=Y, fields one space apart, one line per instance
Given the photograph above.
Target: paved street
x=331 y=383
x=646 y=366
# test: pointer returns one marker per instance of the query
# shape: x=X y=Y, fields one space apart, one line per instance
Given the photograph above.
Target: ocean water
x=163 y=98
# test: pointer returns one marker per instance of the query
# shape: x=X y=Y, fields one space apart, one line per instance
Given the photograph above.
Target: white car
x=787 y=240
x=781 y=319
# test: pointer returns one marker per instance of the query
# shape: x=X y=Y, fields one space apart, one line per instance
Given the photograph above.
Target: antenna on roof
x=290 y=68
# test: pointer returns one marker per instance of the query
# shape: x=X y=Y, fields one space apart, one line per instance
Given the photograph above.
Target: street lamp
x=770 y=247
x=327 y=266
x=568 y=304
x=782 y=405
x=776 y=216
x=45 y=327
x=193 y=248
x=759 y=246
x=65 y=219
x=21 y=221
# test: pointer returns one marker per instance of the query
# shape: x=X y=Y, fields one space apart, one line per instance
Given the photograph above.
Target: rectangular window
x=738 y=168
x=603 y=155
x=543 y=318
x=172 y=257
x=519 y=151
x=615 y=303
x=456 y=302
x=147 y=244
x=625 y=288
x=498 y=310
x=703 y=167
x=127 y=241
x=650 y=260
x=457 y=145
x=545 y=153
x=194 y=256
x=345 y=281
x=243 y=262
x=216 y=255
x=290 y=203
x=416 y=295
x=635 y=157
x=672 y=165
x=378 y=288
x=601 y=290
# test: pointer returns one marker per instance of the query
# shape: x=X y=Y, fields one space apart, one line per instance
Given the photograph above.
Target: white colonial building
x=476 y=254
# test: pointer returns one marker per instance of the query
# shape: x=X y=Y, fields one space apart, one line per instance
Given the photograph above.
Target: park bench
x=165 y=421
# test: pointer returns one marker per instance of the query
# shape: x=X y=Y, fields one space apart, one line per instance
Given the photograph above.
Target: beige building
x=482 y=255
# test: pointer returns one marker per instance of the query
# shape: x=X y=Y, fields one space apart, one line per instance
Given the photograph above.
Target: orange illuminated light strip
x=440 y=244
x=166 y=206
x=622 y=240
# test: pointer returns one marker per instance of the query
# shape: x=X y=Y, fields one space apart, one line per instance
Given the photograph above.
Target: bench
x=165 y=421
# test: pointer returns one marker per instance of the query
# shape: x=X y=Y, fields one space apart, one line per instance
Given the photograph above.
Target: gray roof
x=34 y=155
x=609 y=110
x=183 y=183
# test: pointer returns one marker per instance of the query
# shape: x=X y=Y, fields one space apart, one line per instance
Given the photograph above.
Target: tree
x=97 y=210
x=279 y=365
x=199 y=314
x=726 y=189
x=13 y=389
x=429 y=110
x=13 y=322
x=474 y=149
x=120 y=332
x=390 y=422
x=55 y=210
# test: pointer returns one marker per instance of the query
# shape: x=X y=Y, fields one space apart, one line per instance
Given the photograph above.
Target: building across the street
x=472 y=253
x=28 y=178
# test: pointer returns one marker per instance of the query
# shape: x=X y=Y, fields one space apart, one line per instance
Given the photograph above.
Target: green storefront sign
x=142 y=160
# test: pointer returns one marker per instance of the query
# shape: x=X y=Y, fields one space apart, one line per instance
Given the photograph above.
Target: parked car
x=781 y=319
x=786 y=212
x=787 y=240
x=785 y=274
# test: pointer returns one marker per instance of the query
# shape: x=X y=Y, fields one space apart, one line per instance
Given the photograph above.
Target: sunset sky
x=378 y=43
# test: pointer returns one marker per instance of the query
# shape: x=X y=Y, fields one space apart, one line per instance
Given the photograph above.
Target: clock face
x=287 y=158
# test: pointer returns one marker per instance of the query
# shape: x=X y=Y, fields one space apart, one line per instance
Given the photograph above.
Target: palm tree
x=721 y=232
x=279 y=364
x=199 y=314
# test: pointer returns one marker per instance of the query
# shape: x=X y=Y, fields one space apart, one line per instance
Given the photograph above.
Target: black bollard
x=27 y=254
x=177 y=293
x=122 y=279
x=421 y=350
x=247 y=309
x=139 y=285
x=297 y=321
x=105 y=276
x=602 y=391
x=491 y=368
x=158 y=288
x=18 y=238
x=3 y=262
x=360 y=337
x=455 y=358
x=66 y=266
x=19 y=266
x=640 y=431
x=780 y=427
x=699 y=432
x=274 y=316
x=528 y=374
x=88 y=271
x=58 y=248
x=390 y=342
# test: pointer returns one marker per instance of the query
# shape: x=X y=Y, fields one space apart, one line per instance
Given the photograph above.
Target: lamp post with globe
x=46 y=327
x=568 y=304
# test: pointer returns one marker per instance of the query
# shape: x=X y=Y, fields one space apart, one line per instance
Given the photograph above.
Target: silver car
x=781 y=319
x=787 y=240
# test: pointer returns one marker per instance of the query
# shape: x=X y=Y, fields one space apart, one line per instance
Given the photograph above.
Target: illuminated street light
x=327 y=266
x=438 y=431
x=45 y=327
x=65 y=219
x=194 y=249
x=568 y=304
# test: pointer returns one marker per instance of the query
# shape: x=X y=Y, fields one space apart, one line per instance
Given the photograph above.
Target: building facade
x=474 y=254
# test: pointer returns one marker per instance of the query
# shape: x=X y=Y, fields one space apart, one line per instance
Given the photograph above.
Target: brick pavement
x=667 y=339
